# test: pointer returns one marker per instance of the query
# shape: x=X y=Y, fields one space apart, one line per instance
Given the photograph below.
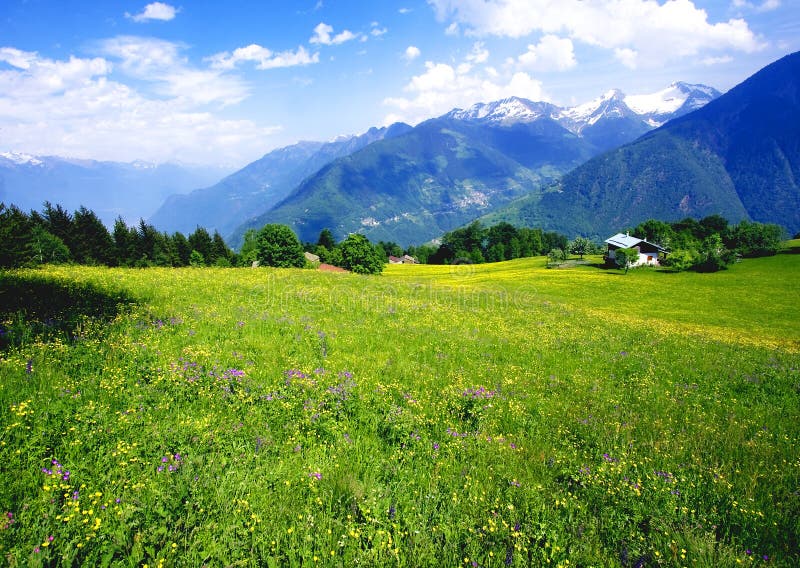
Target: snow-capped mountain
x=19 y=158
x=676 y=100
x=506 y=111
x=652 y=109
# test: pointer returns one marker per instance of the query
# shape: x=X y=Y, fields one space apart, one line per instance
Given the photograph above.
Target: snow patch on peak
x=21 y=158
x=606 y=105
x=510 y=110
x=671 y=99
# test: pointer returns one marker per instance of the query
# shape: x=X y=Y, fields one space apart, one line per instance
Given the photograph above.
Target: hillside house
x=395 y=260
x=648 y=252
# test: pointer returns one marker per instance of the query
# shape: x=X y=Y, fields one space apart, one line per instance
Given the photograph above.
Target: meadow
x=481 y=415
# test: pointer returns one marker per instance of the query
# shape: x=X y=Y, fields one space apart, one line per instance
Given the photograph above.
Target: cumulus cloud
x=154 y=11
x=552 y=53
x=263 y=57
x=443 y=87
x=655 y=32
x=78 y=106
x=323 y=35
x=412 y=52
x=161 y=64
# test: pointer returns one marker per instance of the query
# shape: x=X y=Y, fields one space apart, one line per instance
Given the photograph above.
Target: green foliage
x=326 y=239
x=755 y=239
x=478 y=244
x=360 y=256
x=626 y=257
x=681 y=259
x=48 y=248
x=196 y=259
x=556 y=256
x=278 y=246
x=581 y=246
x=249 y=251
x=713 y=255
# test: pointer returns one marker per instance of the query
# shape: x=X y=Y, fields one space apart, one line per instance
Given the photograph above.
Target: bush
x=278 y=246
x=360 y=256
x=681 y=259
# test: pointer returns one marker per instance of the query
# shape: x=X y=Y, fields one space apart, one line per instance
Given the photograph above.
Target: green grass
x=498 y=415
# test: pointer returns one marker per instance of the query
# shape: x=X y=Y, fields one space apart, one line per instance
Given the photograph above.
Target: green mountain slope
x=259 y=185
x=414 y=187
x=738 y=156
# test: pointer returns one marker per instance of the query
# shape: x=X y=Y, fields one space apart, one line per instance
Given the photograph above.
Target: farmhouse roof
x=626 y=241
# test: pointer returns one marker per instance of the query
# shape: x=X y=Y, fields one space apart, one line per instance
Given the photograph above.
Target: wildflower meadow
x=494 y=415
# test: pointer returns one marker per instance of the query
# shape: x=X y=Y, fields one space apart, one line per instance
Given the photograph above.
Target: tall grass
x=480 y=416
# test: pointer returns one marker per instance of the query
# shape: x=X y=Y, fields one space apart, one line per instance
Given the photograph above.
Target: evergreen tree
x=93 y=242
x=326 y=239
x=221 y=255
x=182 y=249
x=201 y=241
x=58 y=222
x=124 y=243
x=15 y=241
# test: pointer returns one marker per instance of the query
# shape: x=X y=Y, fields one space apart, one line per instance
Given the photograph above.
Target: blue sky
x=225 y=82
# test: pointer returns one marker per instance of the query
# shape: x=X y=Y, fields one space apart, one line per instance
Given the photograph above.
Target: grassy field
x=492 y=415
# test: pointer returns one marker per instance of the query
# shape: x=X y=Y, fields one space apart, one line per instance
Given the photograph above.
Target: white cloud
x=443 y=87
x=765 y=6
x=322 y=35
x=709 y=61
x=78 y=106
x=657 y=32
x=154 y=11
x=263 y=57
x=377 y=30
x=412 y=52
x=479 y=53
x=159 y=63
x=404 y=11
x=552 y=53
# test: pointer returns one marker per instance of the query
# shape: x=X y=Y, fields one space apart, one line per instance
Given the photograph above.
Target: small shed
x=395 y=260
x=311 y=257
x=648 y=252
x=407 y=259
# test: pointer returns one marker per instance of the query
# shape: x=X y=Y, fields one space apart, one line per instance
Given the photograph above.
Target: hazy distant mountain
x=260 y=185
x=738 y=156
x=447 y=171
x=132 y=190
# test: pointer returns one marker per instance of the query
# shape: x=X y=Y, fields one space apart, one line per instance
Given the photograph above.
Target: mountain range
x=590 y=169
x=411 y=184
x=737 y=156
x=131 y=190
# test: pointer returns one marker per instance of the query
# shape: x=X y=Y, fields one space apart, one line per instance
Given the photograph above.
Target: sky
x=223 y=83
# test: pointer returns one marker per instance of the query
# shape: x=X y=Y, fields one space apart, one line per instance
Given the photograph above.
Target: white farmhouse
x=648 y=252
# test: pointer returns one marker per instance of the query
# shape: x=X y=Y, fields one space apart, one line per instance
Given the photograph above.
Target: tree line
x=711 y=243
x=56 y=236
